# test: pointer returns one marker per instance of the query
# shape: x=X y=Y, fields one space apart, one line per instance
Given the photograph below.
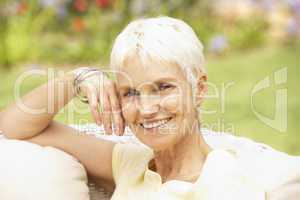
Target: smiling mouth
x=156 y=124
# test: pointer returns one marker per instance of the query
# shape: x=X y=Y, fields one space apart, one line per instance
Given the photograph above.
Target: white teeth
x=155 y=124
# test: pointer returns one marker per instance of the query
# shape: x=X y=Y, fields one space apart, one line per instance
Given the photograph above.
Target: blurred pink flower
x=78 y=24
x=103 y=3
x=80 y=5
x=10 y=9
x=22 y=7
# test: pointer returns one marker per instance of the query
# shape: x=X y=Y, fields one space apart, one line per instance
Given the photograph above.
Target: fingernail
x=109 y=130
x=120 y=129
x=115 y=128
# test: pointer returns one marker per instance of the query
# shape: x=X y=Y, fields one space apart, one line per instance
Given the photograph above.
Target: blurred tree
x=82 y=31
x=4 y=61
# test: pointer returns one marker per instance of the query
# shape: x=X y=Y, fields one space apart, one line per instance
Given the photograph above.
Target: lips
x=155 y=124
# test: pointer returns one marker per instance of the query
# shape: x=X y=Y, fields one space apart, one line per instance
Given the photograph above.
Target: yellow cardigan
x=221 y=178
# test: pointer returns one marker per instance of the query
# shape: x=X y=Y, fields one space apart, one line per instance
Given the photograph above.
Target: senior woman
x=160 y=83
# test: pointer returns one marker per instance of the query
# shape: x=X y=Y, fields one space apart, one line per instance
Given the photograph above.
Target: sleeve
x=224 y=178
x=288 y=191
x=129 y=160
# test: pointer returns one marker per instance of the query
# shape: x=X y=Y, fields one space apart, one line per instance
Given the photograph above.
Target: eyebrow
x=167 y=79
x=158 y=81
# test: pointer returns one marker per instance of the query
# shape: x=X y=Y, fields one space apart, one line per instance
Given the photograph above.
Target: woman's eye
x=131 y=93
x=165 y=86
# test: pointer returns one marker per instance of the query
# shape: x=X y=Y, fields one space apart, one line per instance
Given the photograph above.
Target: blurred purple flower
x=293 y=27
x=59 y=6
x=139 y=7
x=61 y=12
x=48 y=3
x=218 y=44
x=294 y=5
x=254 y=1
x=267 y=5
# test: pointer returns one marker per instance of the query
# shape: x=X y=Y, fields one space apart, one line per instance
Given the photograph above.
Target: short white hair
x=163 y=38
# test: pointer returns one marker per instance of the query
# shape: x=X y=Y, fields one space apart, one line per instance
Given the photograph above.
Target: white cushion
x=31 y=172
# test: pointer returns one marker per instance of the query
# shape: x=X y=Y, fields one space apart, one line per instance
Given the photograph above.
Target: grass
x=232 y=79
x=245 y=70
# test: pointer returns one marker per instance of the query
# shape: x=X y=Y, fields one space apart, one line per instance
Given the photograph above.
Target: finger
x=106 y=114
x=93 y=104
x=116 y=111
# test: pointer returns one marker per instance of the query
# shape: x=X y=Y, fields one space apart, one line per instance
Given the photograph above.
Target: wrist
x=64 y=85
x=79 y=76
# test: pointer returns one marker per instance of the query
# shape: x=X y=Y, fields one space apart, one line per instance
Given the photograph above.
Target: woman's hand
x=103 y=100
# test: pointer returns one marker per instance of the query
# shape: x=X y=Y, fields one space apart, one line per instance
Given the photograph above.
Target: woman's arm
x=19 y=123
x=38 y=107
x=94 y=153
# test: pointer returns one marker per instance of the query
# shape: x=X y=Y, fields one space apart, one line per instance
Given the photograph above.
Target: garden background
x=247 y=42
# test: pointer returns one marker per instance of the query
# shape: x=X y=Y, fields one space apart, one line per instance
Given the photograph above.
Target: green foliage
x=44 y=35
x=248 y=34
x=20 y=34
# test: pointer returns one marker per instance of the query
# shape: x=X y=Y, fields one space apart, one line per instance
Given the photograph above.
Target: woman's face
x=157 y=102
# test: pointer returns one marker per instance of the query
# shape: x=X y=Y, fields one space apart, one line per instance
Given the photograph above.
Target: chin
x=157 y=141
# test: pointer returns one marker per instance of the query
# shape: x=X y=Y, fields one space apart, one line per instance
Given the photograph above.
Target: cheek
x=129 y=111
x=171 y=103
x=176 y=102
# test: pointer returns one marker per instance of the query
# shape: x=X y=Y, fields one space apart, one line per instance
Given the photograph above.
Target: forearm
x=28 y=117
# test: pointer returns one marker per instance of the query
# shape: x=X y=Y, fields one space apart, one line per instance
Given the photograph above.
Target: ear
x=201 y=88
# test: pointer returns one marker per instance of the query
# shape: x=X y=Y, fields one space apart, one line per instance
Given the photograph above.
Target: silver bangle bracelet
x=79 y=77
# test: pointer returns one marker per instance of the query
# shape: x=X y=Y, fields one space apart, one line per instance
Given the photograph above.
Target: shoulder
x=269 y=167
x=129 y=159
x=129 y=151
x=222 y=174
x=278 y=174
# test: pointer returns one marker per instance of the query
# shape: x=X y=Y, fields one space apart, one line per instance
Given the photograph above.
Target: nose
x=148 y=105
